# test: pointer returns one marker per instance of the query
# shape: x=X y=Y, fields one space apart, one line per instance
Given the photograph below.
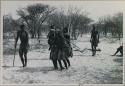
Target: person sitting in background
x=119 y=49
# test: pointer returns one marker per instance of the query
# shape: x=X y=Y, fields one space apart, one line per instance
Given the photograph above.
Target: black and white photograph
x=62 y=42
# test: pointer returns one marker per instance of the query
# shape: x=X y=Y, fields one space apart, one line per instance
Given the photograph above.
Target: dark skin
x=120 y=49
x=23 y=36
x=94 y=40
x=60 y=35
x=51 y=37
x=67 y=38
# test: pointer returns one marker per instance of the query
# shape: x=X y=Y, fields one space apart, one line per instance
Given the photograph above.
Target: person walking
x=24 y=45
x=94 y=40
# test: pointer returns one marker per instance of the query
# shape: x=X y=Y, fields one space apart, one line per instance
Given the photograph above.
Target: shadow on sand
x=36 y=69
x=119 y=60
x=11 y=66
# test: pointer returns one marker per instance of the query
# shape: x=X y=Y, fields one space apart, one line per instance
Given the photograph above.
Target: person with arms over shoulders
x=68 y=49
x=60 y=49
x=52 y=46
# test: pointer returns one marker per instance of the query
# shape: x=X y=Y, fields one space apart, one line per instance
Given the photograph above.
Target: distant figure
x=68 y=50
x=24 y=45
x=94 y=40
x=119 y=49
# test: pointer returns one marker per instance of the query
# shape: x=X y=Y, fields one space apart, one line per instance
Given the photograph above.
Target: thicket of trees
x=34 y=16
x=111 y=24
x=39 y=17
x=9 y=26
x=76 y=21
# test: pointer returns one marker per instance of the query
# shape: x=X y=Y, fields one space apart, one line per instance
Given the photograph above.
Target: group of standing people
x=60 y=47
x=58 y=40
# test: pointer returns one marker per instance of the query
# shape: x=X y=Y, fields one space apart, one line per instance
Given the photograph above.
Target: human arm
x=27 y=40
x=16 y=39
x=91 y=37
x=98 y=36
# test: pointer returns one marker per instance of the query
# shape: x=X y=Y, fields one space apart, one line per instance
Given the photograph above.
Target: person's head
x=65 y=30
x=22 y=27
x=59 y=32
x=52 y=30
x=52 y=27
x=93 y=26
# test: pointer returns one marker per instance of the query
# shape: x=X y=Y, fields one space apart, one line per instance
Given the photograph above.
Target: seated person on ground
x=119 y=49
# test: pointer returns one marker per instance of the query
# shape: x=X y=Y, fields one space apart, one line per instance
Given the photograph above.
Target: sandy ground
x=85 y=69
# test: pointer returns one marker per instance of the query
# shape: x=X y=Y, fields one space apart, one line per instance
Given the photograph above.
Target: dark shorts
x=23 y=49
x=94 y=42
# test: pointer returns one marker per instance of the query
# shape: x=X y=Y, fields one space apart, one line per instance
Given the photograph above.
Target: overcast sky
x=95 y=9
